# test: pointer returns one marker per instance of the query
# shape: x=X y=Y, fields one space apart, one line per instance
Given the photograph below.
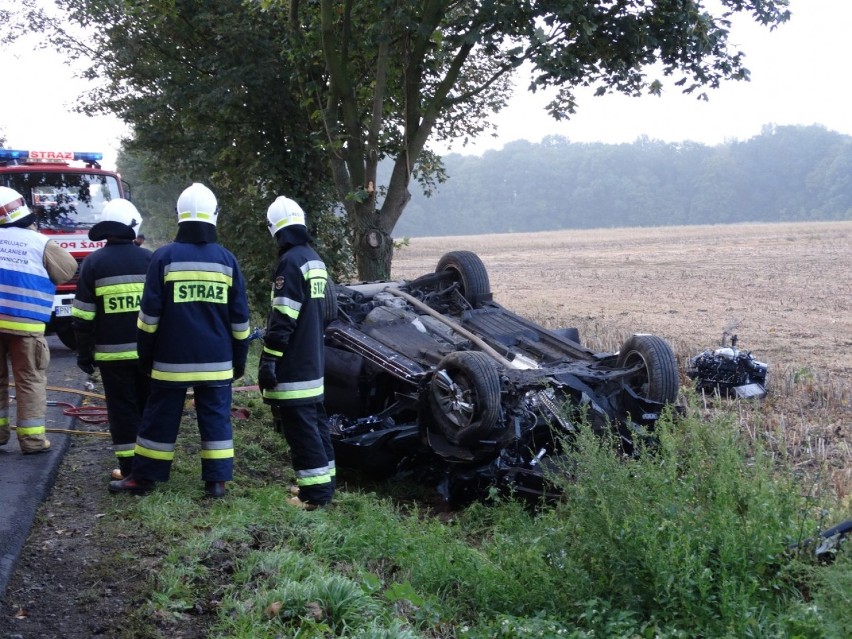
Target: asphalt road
x=25 y=480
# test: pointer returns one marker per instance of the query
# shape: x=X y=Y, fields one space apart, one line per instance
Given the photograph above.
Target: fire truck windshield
x=64 y=200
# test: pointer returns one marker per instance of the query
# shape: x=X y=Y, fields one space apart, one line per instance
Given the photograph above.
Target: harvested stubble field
x=784 y=289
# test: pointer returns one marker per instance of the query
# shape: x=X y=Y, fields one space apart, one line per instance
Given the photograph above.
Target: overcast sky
x=799 y=75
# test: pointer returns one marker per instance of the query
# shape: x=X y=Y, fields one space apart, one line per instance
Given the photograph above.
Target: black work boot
x=214 y=489
x=132 y=486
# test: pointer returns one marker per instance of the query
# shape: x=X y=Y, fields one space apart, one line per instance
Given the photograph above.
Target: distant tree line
x=786 y=173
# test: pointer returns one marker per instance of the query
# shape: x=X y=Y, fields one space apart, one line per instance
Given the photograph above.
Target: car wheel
x=65 y=333
x=464 y=396
x=471 y=274
x=657 y=379
x=329 y=303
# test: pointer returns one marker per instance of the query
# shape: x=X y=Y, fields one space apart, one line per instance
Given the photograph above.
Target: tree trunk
x=375 y=255
x=372 y=228
x=373 y=244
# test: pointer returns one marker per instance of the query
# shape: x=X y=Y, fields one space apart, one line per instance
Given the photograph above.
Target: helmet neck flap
x=196 y=233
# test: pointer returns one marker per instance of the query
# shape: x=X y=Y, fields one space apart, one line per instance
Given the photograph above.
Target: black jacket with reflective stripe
x=194 y=320
x=295 y=326
x=106 y=304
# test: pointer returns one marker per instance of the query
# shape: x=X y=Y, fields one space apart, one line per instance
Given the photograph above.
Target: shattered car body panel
x=434 y=370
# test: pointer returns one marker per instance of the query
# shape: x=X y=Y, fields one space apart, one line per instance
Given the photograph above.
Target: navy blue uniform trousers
x=126 y=391
x=155 y=444
x=306 y=431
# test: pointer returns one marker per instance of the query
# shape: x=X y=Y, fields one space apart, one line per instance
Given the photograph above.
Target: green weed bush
x=689 y=538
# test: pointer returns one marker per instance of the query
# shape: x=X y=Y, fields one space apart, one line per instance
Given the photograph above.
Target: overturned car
x=434 y=373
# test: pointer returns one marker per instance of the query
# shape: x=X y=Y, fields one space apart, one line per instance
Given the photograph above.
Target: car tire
x=464 y=397
x=329 y=303
x=471 y=274
x=658 y=378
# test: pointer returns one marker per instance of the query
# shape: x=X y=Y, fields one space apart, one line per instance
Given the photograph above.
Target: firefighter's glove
x=266 y=378
x=86 y=363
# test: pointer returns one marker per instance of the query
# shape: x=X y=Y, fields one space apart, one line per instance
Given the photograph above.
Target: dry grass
x=784 y=289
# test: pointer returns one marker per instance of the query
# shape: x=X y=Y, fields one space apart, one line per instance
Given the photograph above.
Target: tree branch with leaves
x=311 y=98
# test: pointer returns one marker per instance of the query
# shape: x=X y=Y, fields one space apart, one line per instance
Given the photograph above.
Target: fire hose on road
x=86 y=414
x=98 y=414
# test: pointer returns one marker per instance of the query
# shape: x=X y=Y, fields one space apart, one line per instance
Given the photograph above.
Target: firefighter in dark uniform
x=31 y=265
x=193 y=332
x=105 y=310
x=290 y=373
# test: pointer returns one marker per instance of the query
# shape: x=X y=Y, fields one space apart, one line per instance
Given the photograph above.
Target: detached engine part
x=729 y=371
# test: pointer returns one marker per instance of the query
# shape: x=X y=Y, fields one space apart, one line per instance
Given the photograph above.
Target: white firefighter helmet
x=197 y=204
x=120 y=218
x=283 y=212
x=13 y=207
x=122 y=211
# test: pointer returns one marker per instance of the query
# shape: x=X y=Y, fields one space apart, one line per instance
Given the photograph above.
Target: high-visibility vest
x=25 y=287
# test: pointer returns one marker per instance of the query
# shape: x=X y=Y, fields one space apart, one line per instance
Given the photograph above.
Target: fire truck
x=67 y=191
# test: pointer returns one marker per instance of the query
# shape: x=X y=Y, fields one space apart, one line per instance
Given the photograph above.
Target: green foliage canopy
x=300 y=85
x=392 y=74
x=208 y=93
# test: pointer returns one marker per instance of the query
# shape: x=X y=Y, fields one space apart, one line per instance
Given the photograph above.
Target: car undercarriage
x=434 y=372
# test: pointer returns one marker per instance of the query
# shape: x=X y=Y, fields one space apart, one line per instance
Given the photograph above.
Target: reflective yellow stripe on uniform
x=214 y=376
x=124 y=450
x=119 y=284
x=113 y=352
x=314 y=269
x=313 y=476
x=147 y=323
x=198 y=271
x=209 y=372
x=154 y=450
x=198 y=276
x=240 y=331
x=30 y=427
x=83 y=310
x=217 y=450
x=35 y=327
x=296 y=390
x=286 y=306
x=116 y=357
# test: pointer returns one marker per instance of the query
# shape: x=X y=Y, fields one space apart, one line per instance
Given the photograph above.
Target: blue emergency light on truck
x=67 y=191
